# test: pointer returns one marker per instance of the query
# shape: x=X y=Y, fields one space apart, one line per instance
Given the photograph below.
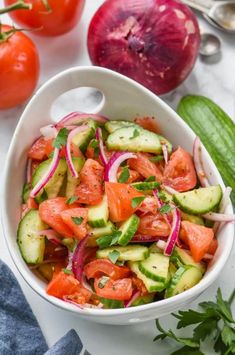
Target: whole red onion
x=155 y=42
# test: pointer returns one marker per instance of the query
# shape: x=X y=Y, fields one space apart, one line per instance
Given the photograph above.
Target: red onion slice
x=78 y=259
x=110 y=173
x=85 y=284
x=47 y=176
x=68 y=155
x=174 y=233
x=198 y=163
x=219 y=217
x=165 y=152
x=49 y=131
x=67 y=300
x=29 y=171
x=98 y=136
x=51 y=235
x=170 y=190
x=24 y=211
x=139 y=238
x=134 y=296
x=76 y=118
x=160 y=204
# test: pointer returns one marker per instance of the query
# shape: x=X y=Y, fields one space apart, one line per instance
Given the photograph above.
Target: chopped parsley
x=150 y=179
x=77 y=220
x=67 y=271
x=136 y=133
x=157 y=158
x=95 y=145
x=165 y=209
x=163 y=196
x=71 y=200
x=102 y=282
x=113 y=256
x=108 y=240
x=61 y=138
x=124 y=176
x=136 y=201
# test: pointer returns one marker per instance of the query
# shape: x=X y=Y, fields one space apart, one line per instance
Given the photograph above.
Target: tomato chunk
x=149 y=123
x=139 y=285
x=197 y=237
x=179 y=172
x=100 y=267
x=144 y=166
x=114 y=289
x=40 y=149
x=90 y=190
x=31 y=203
x=120 y=200
x=50 y=213
x=213 y=247
x=76 y=220
x=63 y=284
x=154 y=225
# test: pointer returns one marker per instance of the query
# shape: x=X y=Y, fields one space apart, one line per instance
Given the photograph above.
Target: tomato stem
x=47 y=6
x=18 y=5
x=4 y=36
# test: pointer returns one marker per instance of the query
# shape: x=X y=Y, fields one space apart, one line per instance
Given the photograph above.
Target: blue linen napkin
x=20 y=333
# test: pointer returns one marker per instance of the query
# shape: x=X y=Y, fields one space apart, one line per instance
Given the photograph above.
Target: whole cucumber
x=216 y=131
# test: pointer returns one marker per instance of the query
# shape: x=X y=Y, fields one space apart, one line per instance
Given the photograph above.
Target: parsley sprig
x=215 y=320
x=61 y=138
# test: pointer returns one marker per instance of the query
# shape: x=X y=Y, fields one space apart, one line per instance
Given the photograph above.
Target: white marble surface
x=215 y=80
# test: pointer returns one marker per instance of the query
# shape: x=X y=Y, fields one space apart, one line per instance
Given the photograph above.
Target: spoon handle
x=200 y=5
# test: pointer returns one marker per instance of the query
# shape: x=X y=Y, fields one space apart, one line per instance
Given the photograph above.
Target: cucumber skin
x=216 y=131
x=130 y=232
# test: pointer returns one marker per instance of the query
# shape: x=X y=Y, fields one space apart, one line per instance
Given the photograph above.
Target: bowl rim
x=103 y=313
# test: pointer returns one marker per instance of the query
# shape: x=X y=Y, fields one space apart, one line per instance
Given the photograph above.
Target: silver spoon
x=220 y=13
x=210 y=44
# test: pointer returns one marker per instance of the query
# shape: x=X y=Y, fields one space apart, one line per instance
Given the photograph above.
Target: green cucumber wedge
x=199 y=201
x=180 y=257
x=130 y=252
x=192 y=218
x=155 y=267
x=82 y=139
x=134 y=139
x=216 y=131
x=184 y=278
x=52 y=188
x=31 y=244
x=143 y=300
x=98 y=215
x=100 y=232
x=128 y=229
x=151 y=285
x=72 y=182
x=112 y=126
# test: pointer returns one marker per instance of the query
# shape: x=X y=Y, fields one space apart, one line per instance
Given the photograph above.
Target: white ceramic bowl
x=126 y=99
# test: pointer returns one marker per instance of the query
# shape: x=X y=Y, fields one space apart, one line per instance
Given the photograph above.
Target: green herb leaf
x=120 y=262
x=94 y=143
x=228 y=335
x=67 y=271
x=71 y=200
x=113 y=256
x=165 y=209
x=163 y=196
x=25 y=192
x=186 y=350
x=150 y=179
x=61 y=138
x=224 y=307
x=204 y=329
x=157 y=158
x=103 y=281
x=136 y=201
x=77 y=220
x=136 y=133
x=108 y=240
x=124 y=176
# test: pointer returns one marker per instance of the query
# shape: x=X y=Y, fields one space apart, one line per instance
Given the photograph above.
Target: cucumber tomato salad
x=113 y=216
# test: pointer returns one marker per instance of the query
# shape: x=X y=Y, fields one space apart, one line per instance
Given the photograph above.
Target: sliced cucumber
x=98 y=215
x=128 y=229
x=154 y=249
x=25 y=192
x=191 y=218
x=111 y=304
x=145 y=186
x=72 y=182
x=31 y=244
x=82 y=139
x=184 y=278
x=112 y=126
x=134 y=139
x=143 y=300
x=54 y=185
x=155 y=267
x=130 y=252
x=180 y=257
x=199 y=201
x=151 y=285
x=100 y=232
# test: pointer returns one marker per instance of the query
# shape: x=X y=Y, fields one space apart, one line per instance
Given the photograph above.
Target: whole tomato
x=19 y=67
x=49 y=17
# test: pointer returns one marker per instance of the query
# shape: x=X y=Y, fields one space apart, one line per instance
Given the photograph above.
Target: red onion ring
x=67 y=300
x=174 y=233
x=47 y=176
x=160 y=204
x=78 y=259
x=29 y=171
x=144 y=239
x=110 y=173
x=98 y=136
x=219 y=217
x=49 y=131
x=165 y=152
x=198 y=163
x=75 y=118
x=23 y=213
x=134 y=296
x=170 y=190
x=68 y=155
